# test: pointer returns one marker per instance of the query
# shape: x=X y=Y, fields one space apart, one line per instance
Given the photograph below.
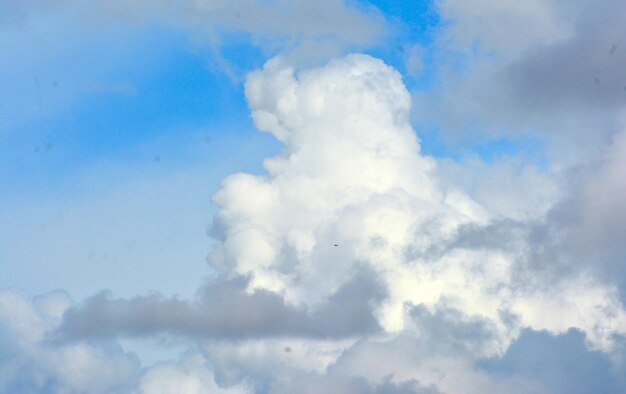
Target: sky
x=208 y=196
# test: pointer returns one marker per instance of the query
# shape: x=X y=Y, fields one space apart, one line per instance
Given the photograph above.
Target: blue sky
x=153 y=104
x=137 y=158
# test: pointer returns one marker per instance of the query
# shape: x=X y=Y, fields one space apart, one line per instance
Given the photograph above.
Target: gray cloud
x=585 y=70
x=226 y=311
x=587 y=229
x=584 y=232
x=447 y=330
x=550 y=69
x=501 y=234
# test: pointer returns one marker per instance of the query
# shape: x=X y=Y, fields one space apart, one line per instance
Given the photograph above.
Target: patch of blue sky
x=529 y=149
x=415 y=25
x=236 y=55
x=413 y=21
x=108 y=170
x=166 y=93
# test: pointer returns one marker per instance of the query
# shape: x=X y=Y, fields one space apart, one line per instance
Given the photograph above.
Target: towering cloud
x=351 y=175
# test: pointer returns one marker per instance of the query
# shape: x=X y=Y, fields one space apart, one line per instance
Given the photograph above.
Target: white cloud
x=508 y=188
x=351 y=175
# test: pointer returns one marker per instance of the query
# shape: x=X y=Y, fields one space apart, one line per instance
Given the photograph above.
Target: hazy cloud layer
x=324 y=26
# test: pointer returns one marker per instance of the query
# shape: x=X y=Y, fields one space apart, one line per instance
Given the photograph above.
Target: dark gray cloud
x=585 y=70
x=502 y=234
x=226 y=311
x=588 y=228
x=450 y=331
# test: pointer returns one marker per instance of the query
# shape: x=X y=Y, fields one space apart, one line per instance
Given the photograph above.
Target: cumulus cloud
x=354 y=248
x=357 y=263
x=352 y=174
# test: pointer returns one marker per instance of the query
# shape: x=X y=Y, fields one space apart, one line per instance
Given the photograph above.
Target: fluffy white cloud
x=351 y=175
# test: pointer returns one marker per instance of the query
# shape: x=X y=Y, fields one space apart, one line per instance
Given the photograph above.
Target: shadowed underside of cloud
x=226 y=311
